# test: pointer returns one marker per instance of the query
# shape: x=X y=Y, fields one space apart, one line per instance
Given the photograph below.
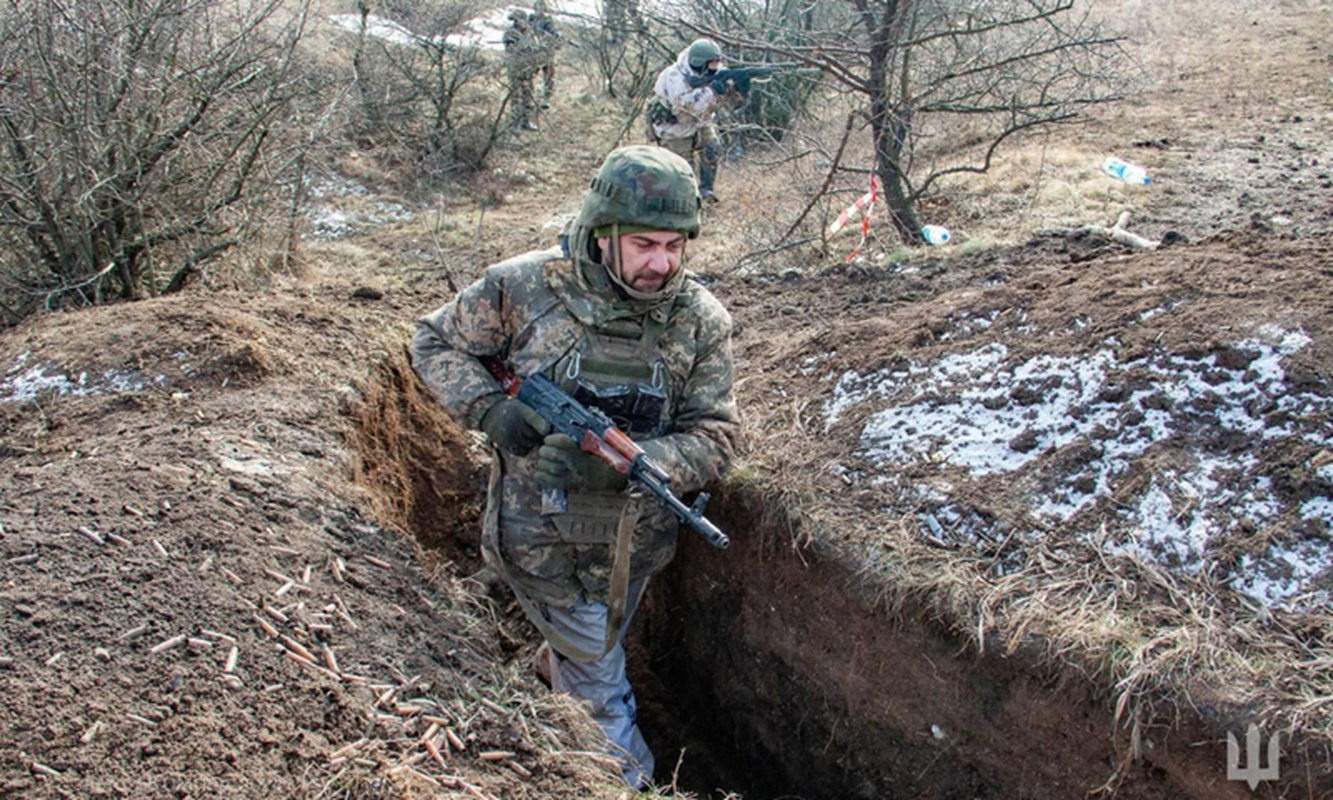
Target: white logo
x=1253 y=772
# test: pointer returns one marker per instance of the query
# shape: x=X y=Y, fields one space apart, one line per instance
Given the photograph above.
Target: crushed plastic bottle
x=935 y=234
x=1125 y=171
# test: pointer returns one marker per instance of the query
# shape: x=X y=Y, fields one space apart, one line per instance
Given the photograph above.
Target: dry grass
x=1155 y=640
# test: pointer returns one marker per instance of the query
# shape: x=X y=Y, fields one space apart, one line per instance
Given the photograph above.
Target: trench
x=780 y=675
x=774 y=672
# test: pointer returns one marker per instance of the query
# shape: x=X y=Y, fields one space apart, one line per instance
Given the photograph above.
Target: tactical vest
x=615 y=368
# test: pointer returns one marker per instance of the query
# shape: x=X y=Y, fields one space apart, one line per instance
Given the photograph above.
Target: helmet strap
x=617 y=264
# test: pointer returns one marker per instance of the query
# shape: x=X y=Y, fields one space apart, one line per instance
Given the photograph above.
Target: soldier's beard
x=643 y=282
x=654 y=289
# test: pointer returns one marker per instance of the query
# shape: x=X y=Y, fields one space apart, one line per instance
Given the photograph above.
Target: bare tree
x=136 y=139
x=426 y=91
x=942 y=84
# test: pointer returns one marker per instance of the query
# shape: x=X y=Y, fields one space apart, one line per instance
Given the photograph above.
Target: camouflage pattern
x=534 y=311
x=523 y=58
x=688 y=109
x=705 y=142
x=640 y=185
x=548 y=42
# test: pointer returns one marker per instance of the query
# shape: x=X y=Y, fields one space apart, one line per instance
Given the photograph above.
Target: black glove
x=728 y=81
x=514 y=427
x=561 y=464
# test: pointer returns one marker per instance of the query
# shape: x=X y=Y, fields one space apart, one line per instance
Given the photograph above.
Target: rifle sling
x=616 y=602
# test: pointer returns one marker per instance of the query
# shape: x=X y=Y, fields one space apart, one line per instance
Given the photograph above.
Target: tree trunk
x=887 y=125
x=890 y=133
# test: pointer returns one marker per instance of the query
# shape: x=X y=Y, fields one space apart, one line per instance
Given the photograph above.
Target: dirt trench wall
x=787 y=658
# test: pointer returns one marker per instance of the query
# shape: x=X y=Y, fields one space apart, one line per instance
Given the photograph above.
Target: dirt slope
x=181 y=468
x=1119 y=464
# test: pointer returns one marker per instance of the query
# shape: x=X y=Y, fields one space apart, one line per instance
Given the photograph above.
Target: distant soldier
x=521 y=61
x=548 y=41
x=681 y=116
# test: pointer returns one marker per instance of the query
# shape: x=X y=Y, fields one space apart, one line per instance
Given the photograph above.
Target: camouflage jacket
x=547 y=35
x=533 y=311
x=524 y=54
x=683 y=108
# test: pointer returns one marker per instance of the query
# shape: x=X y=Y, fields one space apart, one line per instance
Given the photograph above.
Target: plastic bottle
x=1125 y=171
x=935 y=234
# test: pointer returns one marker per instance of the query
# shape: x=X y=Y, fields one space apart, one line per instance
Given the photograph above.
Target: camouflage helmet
x=645 y=186
x=539 y=6
x=701 y=52
x=518 y=15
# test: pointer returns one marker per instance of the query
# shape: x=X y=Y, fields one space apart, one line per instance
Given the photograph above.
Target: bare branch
x=828 y=179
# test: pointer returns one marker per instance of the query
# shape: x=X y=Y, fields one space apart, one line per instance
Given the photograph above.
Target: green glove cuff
x=562 y=464
x=513 y=426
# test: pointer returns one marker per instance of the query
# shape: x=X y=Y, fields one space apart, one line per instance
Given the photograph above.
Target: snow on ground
x=483 y=31
x=993 y=415
x=21 y=385
x=329 y=217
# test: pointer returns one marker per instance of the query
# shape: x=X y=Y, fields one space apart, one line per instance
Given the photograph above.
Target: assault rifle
x=740 y=78
x=597 y=435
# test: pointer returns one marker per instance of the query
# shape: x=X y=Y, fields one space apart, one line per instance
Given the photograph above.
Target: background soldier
x=548 y=41
x=681 y=116
x=616 y=322
x=522 y=57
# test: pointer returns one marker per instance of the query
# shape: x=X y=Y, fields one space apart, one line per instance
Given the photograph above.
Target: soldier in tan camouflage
x=612 y=318
x=548 y=42
x=523 y=57
x=681 y=116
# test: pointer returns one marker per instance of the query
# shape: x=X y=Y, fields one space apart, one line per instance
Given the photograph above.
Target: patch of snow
x=37 y=381
x=966 y=325
x=810 y=364
x=853 y=389
x=1158 y=534
x=990 y=415
x=252 y=466
x=333 y=186
x=331 y=221
x=378 y=28
x=1162 y=309
x=978 y=426
x=483 y=31
x=1320 y=508
x=19 y=362
x=1285 y=572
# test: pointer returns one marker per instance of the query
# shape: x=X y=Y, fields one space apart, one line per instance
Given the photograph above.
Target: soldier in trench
x=615 y=320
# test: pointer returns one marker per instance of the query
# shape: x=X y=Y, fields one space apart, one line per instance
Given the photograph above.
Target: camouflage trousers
x=523 y=103
x=705 y=142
